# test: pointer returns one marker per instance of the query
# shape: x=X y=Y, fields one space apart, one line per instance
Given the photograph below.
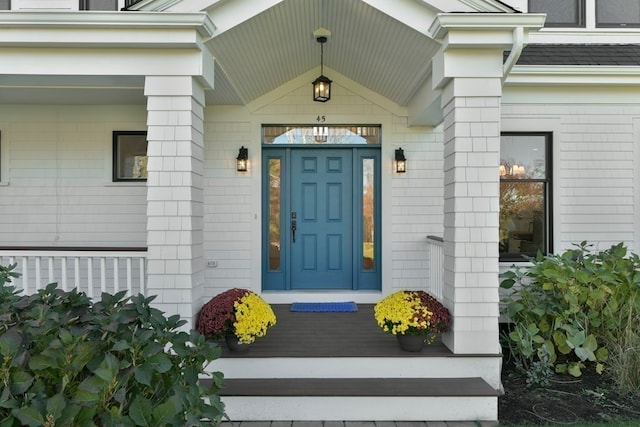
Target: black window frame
x=580 y=12
x=85 y=5
x=548 y=198
x=116 y=154
x=613 y=24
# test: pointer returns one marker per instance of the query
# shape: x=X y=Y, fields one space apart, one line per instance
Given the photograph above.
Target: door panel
x=332 y=195
x=321 y=202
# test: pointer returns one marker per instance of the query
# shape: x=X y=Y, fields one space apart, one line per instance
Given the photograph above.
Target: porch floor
x=341 y=366
x=330 y=334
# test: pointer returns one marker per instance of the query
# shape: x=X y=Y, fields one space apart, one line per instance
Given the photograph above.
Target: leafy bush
x=569 y=309
x=67 y=361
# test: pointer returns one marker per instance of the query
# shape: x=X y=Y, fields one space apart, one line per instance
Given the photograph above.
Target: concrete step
x=352 y=399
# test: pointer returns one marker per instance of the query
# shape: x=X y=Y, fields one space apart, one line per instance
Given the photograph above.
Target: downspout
x=516 y=51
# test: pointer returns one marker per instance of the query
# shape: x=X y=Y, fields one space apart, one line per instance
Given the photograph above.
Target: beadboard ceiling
x=366 y=46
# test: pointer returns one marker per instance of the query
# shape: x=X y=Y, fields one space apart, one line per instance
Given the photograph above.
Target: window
x=98 y=4
x=560 y=13
x=329 y=134
x=525 y=194
x=5 y=4
x=129 y=156
x=618 y=13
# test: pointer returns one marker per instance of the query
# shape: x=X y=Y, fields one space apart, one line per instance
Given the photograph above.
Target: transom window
x=98 y=4
x=129 y=156
x=334 y=134
x=525 y=194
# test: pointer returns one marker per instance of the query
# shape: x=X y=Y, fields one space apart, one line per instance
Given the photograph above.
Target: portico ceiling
x=381 y=45
x=277 y=45
x=258 y=46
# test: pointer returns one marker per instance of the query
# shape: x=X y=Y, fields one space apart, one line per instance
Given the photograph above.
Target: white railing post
x=436 y=266
x=143 y=275
x=90 y=277
x=51 y=276
x=76 y=273
x=63 y=273
x=103 y=274
x=25 y=275
x=129 y=282
x=116 y=281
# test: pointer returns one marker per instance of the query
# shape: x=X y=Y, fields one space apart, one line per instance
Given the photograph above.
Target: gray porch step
x=357 y=387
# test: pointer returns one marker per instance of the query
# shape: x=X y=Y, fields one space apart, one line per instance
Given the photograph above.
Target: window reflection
x=274 y=213
x=522 y=217
x=336 y=134
x=368 y=211
x=524 y=194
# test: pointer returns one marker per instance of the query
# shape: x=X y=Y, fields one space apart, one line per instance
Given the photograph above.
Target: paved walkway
x=361 y=424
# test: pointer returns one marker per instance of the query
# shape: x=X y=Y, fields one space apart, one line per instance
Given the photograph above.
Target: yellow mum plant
x=238 y=312
x=412 y=313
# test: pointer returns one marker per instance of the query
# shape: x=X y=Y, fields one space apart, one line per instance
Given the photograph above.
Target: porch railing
x=436 y=266
x=89 y=270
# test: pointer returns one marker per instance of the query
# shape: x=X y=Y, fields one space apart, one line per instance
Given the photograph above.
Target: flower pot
x=234 y=344
x=411 y=342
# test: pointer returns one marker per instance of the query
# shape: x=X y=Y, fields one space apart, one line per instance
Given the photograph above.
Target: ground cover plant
x=591 y=400
x=572 y=349
x=69 y=361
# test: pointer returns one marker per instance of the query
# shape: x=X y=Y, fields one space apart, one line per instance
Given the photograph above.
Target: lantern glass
x=322 y=89
x=401 y=161
x=242 y=160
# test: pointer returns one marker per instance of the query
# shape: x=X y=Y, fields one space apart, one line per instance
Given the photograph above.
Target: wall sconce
x=401 y=161
x=321 y=85
x=242 y=160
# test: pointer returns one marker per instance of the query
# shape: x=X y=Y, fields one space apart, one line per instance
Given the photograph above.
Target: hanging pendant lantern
x=321 y=85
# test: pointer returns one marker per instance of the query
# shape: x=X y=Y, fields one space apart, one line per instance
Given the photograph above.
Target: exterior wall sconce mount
x=242 y=160
x=401 y=161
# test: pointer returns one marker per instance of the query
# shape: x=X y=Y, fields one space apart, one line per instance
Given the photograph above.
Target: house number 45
x=321 y=119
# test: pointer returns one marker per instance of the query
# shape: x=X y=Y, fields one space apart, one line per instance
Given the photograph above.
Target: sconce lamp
x=401 y=161
x=243 y=159
x=321 y=85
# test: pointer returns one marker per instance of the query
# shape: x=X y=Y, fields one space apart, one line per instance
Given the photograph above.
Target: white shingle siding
x=58 y=175
x=595 y=151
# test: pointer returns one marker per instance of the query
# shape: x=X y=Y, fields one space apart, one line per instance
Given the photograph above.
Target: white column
x=175 y=109
x=471 y=190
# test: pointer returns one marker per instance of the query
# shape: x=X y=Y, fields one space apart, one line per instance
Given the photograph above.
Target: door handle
x=294 y=226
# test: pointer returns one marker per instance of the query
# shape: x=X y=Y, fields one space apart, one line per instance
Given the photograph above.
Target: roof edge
x=446 y=22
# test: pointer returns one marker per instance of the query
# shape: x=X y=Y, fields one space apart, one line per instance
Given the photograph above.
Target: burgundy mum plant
x=237 y=312
x=217 y=317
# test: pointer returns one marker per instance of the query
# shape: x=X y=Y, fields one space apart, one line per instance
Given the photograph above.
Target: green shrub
x=566 y=309
x=67 y=361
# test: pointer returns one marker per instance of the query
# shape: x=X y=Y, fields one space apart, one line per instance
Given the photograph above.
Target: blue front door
x=321 y=219
x=321 y=223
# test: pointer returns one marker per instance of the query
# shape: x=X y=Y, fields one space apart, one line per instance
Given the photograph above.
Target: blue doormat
x=324 y=306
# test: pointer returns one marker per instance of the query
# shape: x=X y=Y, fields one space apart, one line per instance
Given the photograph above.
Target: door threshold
x=288 y=297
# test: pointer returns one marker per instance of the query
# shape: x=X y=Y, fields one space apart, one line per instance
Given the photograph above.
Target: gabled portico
x=203 y=77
